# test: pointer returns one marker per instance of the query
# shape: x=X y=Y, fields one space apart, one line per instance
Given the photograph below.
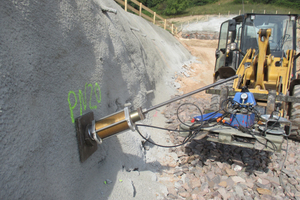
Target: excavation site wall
x=60 y=60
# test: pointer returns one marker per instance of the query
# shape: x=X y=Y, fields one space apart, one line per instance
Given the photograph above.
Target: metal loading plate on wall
x=86 y=148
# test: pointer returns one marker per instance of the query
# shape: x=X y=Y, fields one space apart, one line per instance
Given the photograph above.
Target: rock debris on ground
x=207 y=170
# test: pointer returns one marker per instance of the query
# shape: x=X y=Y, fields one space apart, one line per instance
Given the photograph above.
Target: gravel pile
x=201 y=35
x=208 y=170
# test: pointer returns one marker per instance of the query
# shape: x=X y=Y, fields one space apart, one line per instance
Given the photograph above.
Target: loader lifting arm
x=264 y=51
x=268 y=68
x=262 y=72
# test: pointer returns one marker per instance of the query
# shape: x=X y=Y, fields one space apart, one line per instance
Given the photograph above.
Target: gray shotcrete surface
x=62 y=59
x=211 y=24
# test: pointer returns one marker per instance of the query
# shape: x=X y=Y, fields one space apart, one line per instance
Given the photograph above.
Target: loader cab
x=282 y=35
x=229 y=41
x=239 y=34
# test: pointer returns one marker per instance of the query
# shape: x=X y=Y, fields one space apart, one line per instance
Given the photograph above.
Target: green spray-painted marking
x=70 y=105
x=82 y=100
x=91 y=107
x=95 y=88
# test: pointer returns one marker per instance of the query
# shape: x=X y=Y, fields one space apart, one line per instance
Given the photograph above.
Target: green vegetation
x=179 y=8
x=175 y=7
x=223 y=7
x=285 y=3
x=171 y=7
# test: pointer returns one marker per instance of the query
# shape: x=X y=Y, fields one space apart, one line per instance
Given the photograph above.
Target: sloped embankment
x=59 y=60
x=207 y=28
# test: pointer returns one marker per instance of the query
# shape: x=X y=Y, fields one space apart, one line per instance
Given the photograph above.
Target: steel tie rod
x=189 y=94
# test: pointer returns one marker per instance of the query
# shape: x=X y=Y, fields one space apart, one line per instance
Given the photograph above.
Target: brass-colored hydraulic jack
x=91 y=132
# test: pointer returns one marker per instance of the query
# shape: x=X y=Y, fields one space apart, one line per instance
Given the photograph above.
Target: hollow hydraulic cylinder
x=118 y=122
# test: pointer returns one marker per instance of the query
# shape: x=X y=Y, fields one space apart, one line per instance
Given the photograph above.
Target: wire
x=281 y=168
x=194 y=130
x=273 y=125
x=274 y=146
x=237 y=105
x=164 y=146
x=201 y=121
x=266 y=145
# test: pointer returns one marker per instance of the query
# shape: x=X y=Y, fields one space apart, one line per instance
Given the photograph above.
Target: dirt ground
x=200 y=74
x=187 y=19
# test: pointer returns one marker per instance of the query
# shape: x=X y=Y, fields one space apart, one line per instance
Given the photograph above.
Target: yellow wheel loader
x=261 y=50
x=258 y=52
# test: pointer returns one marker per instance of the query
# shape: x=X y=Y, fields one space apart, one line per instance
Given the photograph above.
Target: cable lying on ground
x=227 y=109
x=194 y=129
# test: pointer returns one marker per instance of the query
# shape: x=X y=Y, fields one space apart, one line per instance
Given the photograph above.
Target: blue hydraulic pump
x=240 y=117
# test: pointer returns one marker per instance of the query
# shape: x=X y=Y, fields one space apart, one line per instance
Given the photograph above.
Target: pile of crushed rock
x=207 y=170
x=201 y=35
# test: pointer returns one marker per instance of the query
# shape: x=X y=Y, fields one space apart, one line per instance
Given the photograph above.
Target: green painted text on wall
x=82 y=99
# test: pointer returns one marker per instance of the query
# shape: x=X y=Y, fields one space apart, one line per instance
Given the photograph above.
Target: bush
x=285 y=3
x=202 y=2
x=175 y=7
x=289 y=3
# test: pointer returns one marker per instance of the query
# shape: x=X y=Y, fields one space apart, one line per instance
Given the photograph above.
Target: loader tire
x=215 y=99
x=295 y=115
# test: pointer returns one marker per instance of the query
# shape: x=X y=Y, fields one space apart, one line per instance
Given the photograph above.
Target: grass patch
x=225 y=6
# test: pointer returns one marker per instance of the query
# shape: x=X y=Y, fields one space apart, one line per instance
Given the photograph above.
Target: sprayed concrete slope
x=61 y=59
x=213 y=24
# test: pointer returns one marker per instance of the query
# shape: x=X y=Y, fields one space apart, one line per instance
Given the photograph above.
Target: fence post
x=125 y=6
x=140 y=12
x=172 y=29
x=290 y=12
x=165 y=25
x=228 y=13
x=276 y=11
x=252 y=10
x=239 y=12
x=154 y=17
x=264 y=11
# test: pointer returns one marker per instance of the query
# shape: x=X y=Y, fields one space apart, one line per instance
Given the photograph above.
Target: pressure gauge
x=244 y=96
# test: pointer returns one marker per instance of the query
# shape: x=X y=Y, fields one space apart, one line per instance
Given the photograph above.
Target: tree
x=175 y=7
x=202 y=2
x=285 y=3
x=289 y=3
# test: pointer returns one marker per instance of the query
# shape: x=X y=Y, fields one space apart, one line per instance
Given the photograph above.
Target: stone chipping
x=208 y=170
x=60 y=60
